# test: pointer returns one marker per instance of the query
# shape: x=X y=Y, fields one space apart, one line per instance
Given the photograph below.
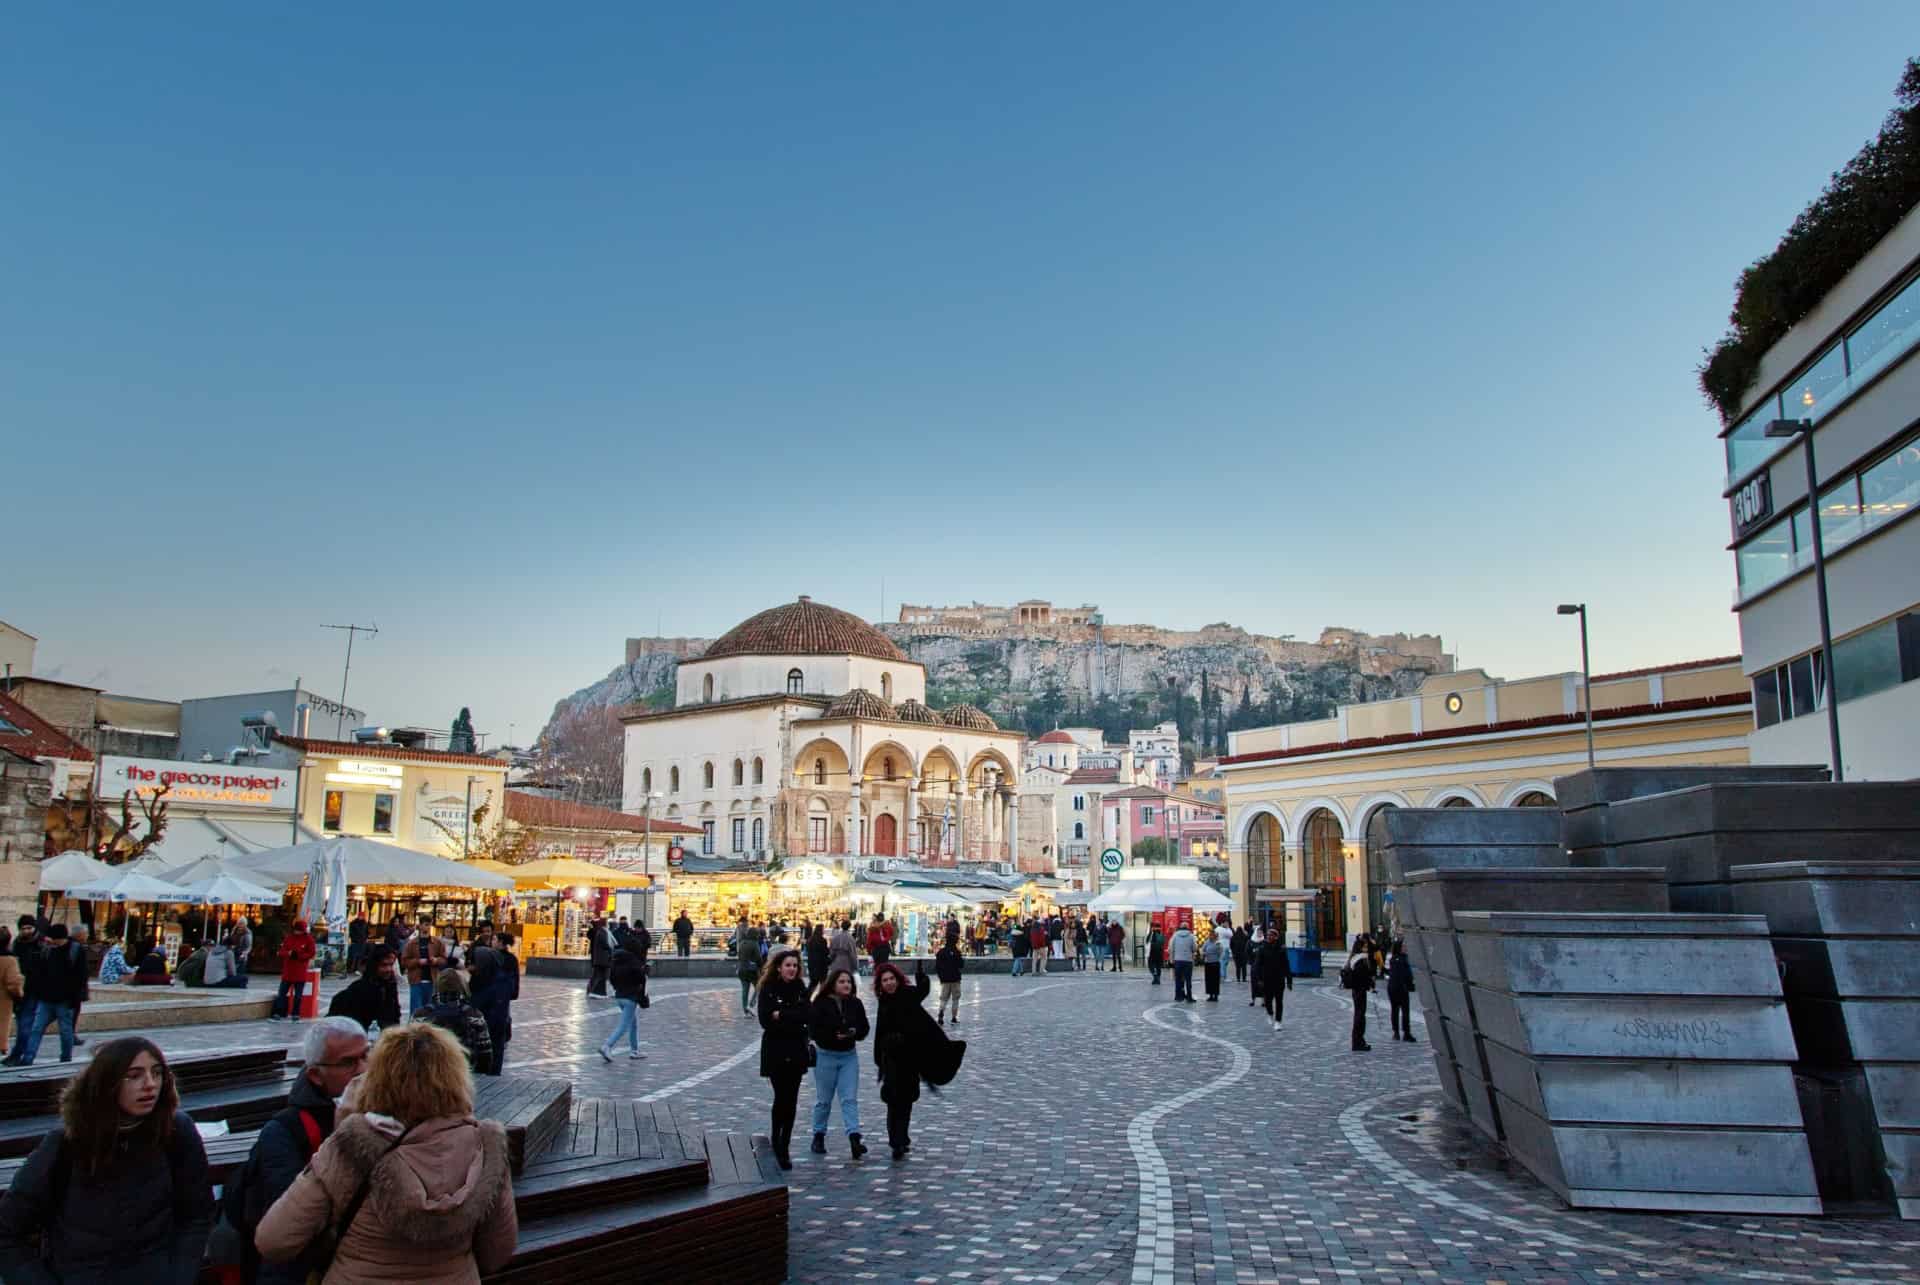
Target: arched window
x=1379 y=918
x=886 y=767
x=759 y=775
x=673 y=781
x=1325 y=862
x=706 y=688
x=1457 y=802
x=796 y=682
x=1079 y=830
x=739 y=772
x=706 y=772
x=646 y=780
x=819 y=771
x=886 y=691
x=1533 y=799
x=759 y=833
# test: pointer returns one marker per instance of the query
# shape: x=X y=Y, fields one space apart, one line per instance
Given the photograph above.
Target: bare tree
x=584 y=748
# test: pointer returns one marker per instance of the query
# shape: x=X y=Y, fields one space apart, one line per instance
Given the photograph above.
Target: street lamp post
x=1586 y=670
x=466 y=822
x=1803 y=429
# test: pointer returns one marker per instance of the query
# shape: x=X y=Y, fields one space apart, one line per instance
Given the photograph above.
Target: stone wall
x=25 y=789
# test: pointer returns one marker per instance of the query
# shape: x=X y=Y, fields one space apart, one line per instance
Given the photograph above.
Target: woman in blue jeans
x=838 y=1021
x=629 y=978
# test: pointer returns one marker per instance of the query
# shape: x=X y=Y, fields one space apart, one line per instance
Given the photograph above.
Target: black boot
x=819 y=1147
x=854 y=1144
x=782 y=1136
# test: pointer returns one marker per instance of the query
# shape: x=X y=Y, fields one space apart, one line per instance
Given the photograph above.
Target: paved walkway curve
x=1153 y=1242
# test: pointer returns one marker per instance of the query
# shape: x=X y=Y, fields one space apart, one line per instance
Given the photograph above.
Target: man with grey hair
x=333 y=1052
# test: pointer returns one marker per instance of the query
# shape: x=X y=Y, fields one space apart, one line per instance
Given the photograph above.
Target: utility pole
x=340 y=720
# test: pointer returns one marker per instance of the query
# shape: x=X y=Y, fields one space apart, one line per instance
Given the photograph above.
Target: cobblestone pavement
x=1264 y=1156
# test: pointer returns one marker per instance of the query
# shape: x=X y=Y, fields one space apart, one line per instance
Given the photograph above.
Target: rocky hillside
x=1218 y=680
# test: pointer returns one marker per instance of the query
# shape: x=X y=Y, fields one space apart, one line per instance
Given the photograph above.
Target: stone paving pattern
x=1313 y=1165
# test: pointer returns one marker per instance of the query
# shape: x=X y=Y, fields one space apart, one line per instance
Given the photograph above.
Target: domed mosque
x=804 y=731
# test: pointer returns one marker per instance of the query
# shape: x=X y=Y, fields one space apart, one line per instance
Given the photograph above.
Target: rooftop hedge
x=1860 y=205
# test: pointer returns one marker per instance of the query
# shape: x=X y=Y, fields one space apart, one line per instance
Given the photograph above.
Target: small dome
x=912 y=711
x=1055 y=737
x=859 y=703
x=968 y=717
x=804 y=628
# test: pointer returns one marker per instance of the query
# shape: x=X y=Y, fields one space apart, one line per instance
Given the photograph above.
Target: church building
x=804 y=731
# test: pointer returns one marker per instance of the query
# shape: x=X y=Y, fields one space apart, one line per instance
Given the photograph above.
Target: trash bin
x=1304 y=960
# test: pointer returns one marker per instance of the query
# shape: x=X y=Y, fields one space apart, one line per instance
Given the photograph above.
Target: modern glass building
x=1850 y=368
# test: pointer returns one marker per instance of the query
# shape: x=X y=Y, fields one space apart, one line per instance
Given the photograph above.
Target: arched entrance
x=1324 y=865
x=885 y=832
x=1375 y=831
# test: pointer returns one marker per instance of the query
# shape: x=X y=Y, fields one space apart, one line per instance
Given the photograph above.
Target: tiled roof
x=1728 y=700
x=860 y=703
x=912 y=711
x=804 y=628
x=36 y=737
x=377 y=750
x=535 y=810
x=1095 y=776
x=1055 y=737
x=967 y=716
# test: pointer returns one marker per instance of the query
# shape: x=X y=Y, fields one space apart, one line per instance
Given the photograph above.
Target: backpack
x=1346 y=977
x=238 y=1194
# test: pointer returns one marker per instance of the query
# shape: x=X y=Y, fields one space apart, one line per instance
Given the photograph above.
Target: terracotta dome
x=968 y=717
x=804 y=628
x=859 y=703
x=912 y=711
x=1055 y=737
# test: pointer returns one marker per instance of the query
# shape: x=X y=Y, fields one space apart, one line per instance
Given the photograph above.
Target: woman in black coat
x=118 y=1191
x=783 y=1043
x=1400 y=992
x=902 y=1034
x=817 y=955
x=1276 y=975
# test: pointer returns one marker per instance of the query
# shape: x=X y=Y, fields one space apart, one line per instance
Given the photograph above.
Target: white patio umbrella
x=369 y=861
x=337 y=899
x=221 y=889
x=207 y=867
x=131 y=885
x=70 y=869
x=313 y=899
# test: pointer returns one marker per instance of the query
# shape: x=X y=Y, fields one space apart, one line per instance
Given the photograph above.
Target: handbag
x=328 y=1241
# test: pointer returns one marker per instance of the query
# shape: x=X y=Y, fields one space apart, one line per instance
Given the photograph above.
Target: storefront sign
x=441 y=815
x=1111 y=860
x=809 y=874
x=1752 y=504
x=205 y=784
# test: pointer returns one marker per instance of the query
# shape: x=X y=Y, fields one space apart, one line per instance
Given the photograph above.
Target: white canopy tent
x=131 y=885
x=367 y=861
x=1150 y=888
x=70 y=869
x=207 y=867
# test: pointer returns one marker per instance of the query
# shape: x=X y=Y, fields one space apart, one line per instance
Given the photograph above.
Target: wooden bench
x=533 y=1109
x=35 y=1090
x=630 y=1183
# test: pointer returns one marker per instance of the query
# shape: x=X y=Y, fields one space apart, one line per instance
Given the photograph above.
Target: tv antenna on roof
x=340 y=721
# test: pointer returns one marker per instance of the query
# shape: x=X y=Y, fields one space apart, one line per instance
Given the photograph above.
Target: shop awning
x=1072 y=898
x=371 y=862
x=1156 y=893
x=569 y=872
x=977 y=896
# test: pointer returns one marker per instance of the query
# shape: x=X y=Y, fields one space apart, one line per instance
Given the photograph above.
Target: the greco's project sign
x=207 y=784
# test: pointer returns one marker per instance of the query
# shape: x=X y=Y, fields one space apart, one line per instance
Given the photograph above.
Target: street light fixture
x=1803 y=429
x=1586 y=671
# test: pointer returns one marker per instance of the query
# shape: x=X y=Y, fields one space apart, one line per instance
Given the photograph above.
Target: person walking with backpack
x=414 y=1186
x=784 y=1015
x=1273 y=975
x=629 y=977
x=333 y=1052
x=838 y=1021
x=118 y=1190
x=748 y=967
x=1358 y=977
x=948 y=965
x=453 y=1012
x=1400 y=993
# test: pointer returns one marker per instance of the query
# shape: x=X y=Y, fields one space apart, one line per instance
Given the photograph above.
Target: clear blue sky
x=519 y=329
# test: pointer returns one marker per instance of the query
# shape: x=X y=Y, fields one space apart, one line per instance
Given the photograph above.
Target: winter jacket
x=1116 y=935
x=1272 y=967
x=783 y=1026
x=13 y=986
x=818 y=958
x=439 y=1206
x=899 y=1036
x=829 y=1015
x=683 y=928
x=369 y=1000
x=296 y=953
x=629 y=976
x=465 y=1023
x=113 y=965
x=58 y=974
x=1214 y=951
x=281 y=1153
x=1399 y=977
x=840 y=951
x=1018 y=946
x=949 y=963
x=1156 y=947
x=1360 y=971
x=417 y=969
x=599 y=947
x=1180 y=946
x=1238 y=945
x=145 y=1219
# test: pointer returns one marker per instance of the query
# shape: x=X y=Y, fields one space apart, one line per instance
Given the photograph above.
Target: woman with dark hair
x=1400 y=992
x=817 y=955
x=900 y=1035
x=783 y=1043
x=119 y=1190
x=838 y=1021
